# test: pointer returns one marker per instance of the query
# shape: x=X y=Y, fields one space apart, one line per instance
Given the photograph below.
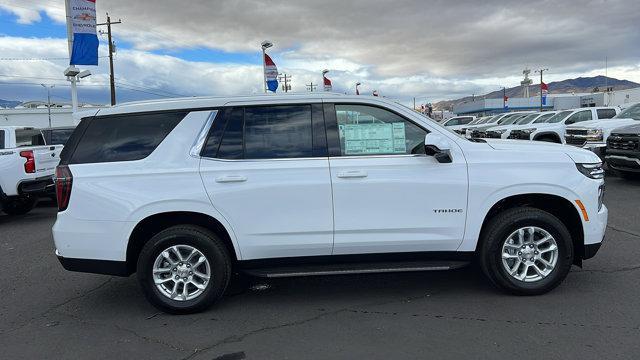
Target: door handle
x=352 y=174
x=231 y=178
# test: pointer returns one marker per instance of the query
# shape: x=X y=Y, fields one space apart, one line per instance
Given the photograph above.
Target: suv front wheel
x=184 y=269
x=526 y=251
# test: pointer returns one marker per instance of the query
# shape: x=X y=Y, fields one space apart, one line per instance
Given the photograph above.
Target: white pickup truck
x=555 y=128
x=592 y=135
x=26 y=168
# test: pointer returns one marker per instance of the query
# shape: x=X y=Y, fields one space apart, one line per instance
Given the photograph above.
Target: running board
x=355 y=268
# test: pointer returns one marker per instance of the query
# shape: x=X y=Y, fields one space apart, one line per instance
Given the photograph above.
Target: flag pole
x=72 y=79
x=264 y=72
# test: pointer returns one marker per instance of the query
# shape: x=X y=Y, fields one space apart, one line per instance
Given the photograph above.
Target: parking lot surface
x=47 y=312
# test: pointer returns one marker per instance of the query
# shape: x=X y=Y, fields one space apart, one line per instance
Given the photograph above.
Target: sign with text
x=371 y=139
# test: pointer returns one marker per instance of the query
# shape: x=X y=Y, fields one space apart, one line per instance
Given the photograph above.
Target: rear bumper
x=105 y=267
x=37 y=186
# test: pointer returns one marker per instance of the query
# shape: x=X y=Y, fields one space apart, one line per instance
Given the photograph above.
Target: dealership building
x=481 y=107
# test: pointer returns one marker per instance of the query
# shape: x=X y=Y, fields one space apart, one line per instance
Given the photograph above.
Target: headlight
x=593 y=171
x=528 y=131
x=594 y=134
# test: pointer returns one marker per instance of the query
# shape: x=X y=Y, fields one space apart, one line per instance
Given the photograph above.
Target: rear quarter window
x=29 y=137
x=606 y=113
x=124 y=137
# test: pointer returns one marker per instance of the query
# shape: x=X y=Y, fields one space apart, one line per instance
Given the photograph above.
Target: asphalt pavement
x=47 y=312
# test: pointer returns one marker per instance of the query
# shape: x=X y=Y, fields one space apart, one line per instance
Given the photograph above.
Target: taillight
x=64 y=180
x=30 y=163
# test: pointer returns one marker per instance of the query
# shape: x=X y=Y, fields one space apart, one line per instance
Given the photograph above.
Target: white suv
x=187 y=191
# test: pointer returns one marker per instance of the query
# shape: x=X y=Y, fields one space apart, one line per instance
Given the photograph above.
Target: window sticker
x=385 y=138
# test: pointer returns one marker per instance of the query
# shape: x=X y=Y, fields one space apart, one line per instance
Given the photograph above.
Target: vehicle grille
x=493 y=135
x=519 y=134
x=478 y=134
x=623 y=142
x=581 y=132
x=575 y=141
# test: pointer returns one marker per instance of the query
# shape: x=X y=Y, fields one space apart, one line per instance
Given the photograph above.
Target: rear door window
x=276 y=132
x=1 y=139
x=268 y=132
x=124 y=137
x=606 y=113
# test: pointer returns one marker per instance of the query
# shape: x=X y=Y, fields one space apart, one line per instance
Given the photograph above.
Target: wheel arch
x=146 y=228
x=556 y=205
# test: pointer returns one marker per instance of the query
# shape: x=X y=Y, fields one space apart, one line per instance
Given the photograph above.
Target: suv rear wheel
x=184 y=269
x=526 y=251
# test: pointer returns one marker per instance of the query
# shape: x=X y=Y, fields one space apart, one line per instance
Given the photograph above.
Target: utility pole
x=112 y=81
x=311 y=86
x=285 y=79
x=541 y=71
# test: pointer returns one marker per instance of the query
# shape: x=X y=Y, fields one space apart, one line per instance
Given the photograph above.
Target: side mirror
x=437 y=146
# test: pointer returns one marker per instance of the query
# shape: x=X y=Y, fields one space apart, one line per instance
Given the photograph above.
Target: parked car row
x=610 y=133
x=28 y=158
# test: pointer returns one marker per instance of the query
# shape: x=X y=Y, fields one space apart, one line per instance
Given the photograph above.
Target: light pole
x=265 y=45
x=48 y=100
x=541 y=71
x=357 y=90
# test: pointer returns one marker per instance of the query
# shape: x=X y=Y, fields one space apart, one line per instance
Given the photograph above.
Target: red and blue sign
x=270 y=73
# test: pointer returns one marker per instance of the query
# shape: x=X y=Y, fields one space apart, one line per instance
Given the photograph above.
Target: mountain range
x=577 y=85
x=9 y=103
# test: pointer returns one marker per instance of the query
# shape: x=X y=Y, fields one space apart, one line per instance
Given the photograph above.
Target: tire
x=498 y=232
x=18 y=205
x=184 y=238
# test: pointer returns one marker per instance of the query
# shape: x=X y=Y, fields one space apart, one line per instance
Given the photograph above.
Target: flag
x=270 y=73
x=506 y=102
x=327 y=83
x=544 y=90
x=84 y=50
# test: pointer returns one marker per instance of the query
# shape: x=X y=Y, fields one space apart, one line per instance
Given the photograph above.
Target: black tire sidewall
x=19 y=205
x=543 y=220
x=201 y=239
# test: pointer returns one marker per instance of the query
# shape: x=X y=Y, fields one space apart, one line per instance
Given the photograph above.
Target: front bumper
x=591 y=250
x=623 y=163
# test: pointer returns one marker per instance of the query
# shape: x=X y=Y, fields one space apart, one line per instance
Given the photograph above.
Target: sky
x=430 y=50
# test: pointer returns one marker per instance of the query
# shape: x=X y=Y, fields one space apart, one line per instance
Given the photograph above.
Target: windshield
x=527 y=119
x=632 y=112
x=484 y=120
x=509 y=119
x=544 y=118
x=559 y=116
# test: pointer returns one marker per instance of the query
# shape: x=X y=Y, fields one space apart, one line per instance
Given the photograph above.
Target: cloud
x=436 y=49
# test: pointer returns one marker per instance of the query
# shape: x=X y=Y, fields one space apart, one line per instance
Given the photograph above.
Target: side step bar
x=355 y=268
